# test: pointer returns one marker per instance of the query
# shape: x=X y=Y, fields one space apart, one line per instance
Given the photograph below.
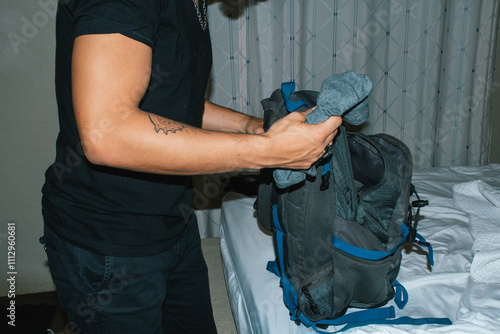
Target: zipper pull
x=325 y=181
x=325 y=175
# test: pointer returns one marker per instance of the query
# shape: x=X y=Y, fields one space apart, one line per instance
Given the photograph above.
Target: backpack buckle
x=419 y=203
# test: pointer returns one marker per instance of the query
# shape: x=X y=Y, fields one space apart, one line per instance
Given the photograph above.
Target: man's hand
x=296 y=144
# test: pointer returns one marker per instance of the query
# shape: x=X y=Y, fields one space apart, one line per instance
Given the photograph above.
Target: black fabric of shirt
x=112 y=211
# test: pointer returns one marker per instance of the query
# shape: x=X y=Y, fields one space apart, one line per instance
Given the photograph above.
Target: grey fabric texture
x=344 y=94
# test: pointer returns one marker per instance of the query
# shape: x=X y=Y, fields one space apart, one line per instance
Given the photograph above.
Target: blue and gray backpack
x=339 y=234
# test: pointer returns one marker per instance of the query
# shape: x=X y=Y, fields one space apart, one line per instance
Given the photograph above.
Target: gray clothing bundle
x=345 y=95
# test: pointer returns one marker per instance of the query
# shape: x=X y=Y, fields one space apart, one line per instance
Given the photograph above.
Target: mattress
x=446 y=290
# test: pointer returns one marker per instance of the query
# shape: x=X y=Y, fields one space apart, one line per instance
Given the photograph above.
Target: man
x=134 y=125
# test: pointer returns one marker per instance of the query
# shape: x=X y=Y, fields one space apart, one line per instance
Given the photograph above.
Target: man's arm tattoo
x=165 y=125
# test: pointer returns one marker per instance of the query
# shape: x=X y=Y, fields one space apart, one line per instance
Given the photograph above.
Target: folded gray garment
x=345 y=95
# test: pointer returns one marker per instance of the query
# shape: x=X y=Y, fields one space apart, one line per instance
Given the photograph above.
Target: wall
x=28 y=128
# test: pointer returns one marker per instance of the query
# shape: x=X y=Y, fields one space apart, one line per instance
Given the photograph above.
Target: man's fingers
x=331 y=124
x=299 y=145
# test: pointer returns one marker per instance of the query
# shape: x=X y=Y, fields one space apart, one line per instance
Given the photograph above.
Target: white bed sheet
x=447 y=290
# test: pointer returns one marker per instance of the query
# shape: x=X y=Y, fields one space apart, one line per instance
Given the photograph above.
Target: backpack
x=338 y=236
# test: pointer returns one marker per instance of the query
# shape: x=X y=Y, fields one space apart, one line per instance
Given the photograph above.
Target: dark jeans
x=164 y=293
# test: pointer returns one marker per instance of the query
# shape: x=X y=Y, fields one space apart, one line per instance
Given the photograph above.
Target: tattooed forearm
x=165 y=125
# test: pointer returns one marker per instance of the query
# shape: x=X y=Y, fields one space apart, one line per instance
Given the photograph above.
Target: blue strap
x=399 y=321
x=421 y=241
x=287 y=89
x=365 y=253
x=401 y=296
x=279 y=235
x=326 y=167
x=272 y=266
x=289 y=293
x=364 y=316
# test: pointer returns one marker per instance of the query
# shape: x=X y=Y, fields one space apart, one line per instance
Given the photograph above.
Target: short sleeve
x=137 y=19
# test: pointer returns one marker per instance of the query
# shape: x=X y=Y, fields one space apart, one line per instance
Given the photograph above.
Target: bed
x=462 y=222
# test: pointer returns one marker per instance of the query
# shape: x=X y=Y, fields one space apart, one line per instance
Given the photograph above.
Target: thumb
x=308 y=111
x=332 y=122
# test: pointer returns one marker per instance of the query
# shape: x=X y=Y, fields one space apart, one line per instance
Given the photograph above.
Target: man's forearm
x=219 y=118
x=146 y=142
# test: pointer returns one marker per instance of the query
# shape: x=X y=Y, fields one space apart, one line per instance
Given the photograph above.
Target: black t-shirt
x=112 y=211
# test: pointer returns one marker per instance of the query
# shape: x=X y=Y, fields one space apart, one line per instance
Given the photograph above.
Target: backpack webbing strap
x=288 y=88
x=289 y=293
x=366 y=253
x=422 y=242
x=399 y=321
x=401 y=295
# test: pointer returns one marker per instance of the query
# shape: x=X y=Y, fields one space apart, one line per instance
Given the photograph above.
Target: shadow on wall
x=233 y=8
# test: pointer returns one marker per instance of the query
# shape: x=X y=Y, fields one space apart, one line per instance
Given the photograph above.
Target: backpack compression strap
x=291 y=103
